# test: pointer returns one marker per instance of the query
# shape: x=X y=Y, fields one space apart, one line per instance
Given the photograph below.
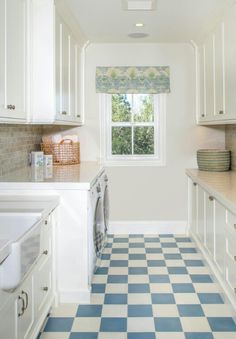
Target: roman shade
x=145 y=80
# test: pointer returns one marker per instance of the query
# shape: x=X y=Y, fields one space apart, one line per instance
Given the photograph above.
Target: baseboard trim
x=78 y=296
x=148 y=227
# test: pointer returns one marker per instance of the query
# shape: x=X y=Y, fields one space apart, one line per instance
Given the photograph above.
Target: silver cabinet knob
x=211 y=198
x=202 y=115
x=221 y=112
x=45 y=288
x=194 y=184
x=45 y=252
x=64 y=112
x=11 y=107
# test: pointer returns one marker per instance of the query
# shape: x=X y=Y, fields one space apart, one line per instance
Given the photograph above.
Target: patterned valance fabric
x=145 y=80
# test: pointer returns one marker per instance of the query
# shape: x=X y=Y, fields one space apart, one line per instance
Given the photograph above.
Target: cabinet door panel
x=230 y=63
x=220 y=224
x=201 y=215
x=43 y=285
x=210 y=233
x=209 y=78
x=7 y=320
x=16 y=57
x=194 y=208
x=25 y=321
x=58 y=60
x=202 y=103
x=65 y=40
x=2 y=56
x=73 y=82
x=219 y=72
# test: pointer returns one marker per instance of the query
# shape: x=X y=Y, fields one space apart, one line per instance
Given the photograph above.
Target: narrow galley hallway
x=147 y=287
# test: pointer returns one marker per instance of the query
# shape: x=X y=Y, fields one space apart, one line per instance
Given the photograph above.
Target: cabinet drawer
x=230 y=272
x=43 y=285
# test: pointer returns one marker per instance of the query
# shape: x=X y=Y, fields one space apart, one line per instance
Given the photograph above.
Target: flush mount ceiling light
x=138 y=35
x=139 y=5
x=139 y=24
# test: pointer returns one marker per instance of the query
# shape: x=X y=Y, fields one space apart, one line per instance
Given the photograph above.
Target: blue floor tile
x=187 y=250
x=163 y=298
x=183 y=288
x=89 y=311
x=156 y=263
x=137 y=256
x=120 y=250
x=159 y=278
x=101 y=270
x=177 y=270
x=183 y=239
x=151 y=240
x=105 y=256
x=120 y=240
x=193 y=263
x=136 y=236
x=172 y=256
x=83 y=335
x=190 y=310
x=98 y=288
x=210 y=298
x=136 y=245
x=59 y=324
x=153 y=250
x=140 y=311
x=201 y=278
x=199 y=335
x=138 y=288
x=113 y=325
x=168 y=245
x=166 y=235
x=138 y=270
x=117 y=279
x=116 y=299
x=222 y=324
x=119 y=263
x=147 y=335
x=168 y=324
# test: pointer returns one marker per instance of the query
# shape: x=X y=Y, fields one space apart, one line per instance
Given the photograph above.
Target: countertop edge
x=216 y=194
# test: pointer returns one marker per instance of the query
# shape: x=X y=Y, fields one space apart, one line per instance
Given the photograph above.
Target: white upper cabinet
x=55 y=87
x=13 y=53
x=230 y=63
x=217 y=74
x=40 y=69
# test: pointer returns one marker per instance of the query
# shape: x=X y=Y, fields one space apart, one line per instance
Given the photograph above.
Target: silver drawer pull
x=45 y=288
x=45 y=222
x=78 y=115
x=64 y=112
x=23 y=306
x=211 y=198
x=45 y=252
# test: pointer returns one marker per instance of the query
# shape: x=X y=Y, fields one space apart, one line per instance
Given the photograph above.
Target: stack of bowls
x=215 y=160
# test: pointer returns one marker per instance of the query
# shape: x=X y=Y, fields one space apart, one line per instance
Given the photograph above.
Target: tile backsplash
x=230 y=143
x=16 y=141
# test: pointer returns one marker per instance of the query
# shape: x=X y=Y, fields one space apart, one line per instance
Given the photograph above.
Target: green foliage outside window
x=132 y=109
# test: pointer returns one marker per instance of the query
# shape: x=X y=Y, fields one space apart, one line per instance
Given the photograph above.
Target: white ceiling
x=173 y=21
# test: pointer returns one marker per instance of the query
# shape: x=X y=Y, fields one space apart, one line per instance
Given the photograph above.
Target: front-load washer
x=96 y=228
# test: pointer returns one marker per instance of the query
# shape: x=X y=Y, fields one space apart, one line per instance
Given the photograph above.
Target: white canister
x=48 y=161
x=37 y=159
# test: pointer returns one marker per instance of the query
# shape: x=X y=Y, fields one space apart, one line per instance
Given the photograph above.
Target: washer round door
x=106 y=208
x=98 y=228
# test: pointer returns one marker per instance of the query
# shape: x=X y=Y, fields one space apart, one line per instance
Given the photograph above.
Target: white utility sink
x=20 y=232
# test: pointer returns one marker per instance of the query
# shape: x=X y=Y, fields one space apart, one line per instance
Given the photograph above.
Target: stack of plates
x=215 y=160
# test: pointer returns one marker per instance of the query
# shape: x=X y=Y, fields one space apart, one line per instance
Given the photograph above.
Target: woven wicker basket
x=66 y=152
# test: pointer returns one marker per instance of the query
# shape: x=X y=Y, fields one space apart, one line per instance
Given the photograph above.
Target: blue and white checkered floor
x=147 y=287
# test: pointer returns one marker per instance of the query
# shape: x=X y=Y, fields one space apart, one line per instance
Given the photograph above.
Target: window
x=133 y=129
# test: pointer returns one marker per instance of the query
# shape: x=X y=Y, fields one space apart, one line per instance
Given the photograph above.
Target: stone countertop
x=221 y=185
x=21 y=206
x=57 y=177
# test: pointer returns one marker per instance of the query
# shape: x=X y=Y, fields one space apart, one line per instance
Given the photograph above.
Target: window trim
x=141 y=160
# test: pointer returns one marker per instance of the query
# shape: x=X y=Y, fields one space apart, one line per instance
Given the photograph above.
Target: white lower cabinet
x=213 y=227
x=23 y=310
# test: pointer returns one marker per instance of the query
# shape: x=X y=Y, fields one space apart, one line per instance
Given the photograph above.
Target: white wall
x=150 y=193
